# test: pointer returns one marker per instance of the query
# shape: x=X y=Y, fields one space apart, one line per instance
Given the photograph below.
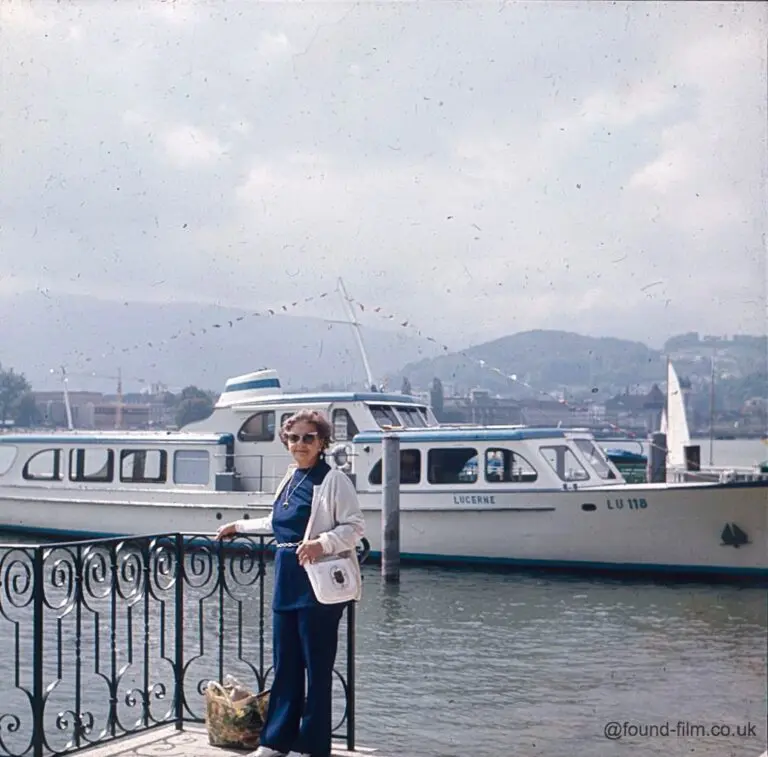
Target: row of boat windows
x=263 y=427
x=501 y=466
x=398 y=415
x=134 y=466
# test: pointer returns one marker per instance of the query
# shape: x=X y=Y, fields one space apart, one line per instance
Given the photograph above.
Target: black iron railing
x=111 y=637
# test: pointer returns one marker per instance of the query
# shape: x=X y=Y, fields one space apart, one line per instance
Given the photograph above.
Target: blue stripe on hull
x=460 y=435
x=62 y=532
x=505 y=562
x=578 y=565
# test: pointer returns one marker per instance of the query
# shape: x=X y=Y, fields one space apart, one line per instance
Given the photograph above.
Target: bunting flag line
x=446 y=349
x=512 y=377
x=378 y=311
x=227 y=323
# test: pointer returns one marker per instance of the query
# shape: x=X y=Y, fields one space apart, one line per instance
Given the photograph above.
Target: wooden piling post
x=390 y=509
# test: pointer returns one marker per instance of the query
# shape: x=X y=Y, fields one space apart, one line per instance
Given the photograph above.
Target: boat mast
x=67 y=406
x=119 y=408
x=666 y=415
x=356 y=327
x=712 y=409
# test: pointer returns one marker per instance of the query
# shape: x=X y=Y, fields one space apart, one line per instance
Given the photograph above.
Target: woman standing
x=305 y=632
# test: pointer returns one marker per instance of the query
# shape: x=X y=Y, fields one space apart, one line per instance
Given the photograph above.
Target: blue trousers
x=303 y=640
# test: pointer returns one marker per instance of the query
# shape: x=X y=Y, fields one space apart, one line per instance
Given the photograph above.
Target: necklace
x=288 y=488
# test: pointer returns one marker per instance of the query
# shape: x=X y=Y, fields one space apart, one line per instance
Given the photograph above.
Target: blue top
x=289 y=523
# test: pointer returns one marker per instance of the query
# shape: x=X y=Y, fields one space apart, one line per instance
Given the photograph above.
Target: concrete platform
x=191 y=742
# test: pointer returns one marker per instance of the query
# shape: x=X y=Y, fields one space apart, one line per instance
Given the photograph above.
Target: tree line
x=18 y=406
x=17 y=403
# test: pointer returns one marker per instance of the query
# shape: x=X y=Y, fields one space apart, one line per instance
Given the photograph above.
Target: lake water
x=456 y=662
x=460 y=661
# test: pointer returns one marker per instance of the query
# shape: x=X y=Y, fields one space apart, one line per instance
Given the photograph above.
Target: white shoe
x=265 y=751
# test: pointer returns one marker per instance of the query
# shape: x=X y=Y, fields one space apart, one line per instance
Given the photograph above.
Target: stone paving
x=191 y=742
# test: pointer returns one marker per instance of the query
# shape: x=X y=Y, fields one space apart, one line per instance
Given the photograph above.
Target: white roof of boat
x=443 y=434
x=85 y=436
x=328 y=397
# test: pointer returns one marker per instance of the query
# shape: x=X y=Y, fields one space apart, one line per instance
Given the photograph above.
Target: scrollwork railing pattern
x=106 y=638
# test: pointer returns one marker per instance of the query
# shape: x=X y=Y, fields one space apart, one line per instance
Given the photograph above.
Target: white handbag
x=334 y=578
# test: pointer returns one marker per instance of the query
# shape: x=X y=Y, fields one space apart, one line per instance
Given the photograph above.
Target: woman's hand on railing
x=227 y=531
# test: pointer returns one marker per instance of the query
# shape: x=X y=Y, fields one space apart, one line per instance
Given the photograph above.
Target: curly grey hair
x=316 y=418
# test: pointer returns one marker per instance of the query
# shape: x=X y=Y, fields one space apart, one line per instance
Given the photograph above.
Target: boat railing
x=254 y=471
x=112 y=637
x=717 y=474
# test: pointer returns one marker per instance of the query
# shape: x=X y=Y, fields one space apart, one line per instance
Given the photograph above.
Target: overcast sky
x=478 y=168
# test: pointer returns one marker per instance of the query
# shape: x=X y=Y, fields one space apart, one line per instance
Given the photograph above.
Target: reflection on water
x=460 y=662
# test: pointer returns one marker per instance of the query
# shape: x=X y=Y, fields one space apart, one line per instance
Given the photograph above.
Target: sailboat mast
x=119 y=408
x=356 y=327
x=666 y=412
x=712 y=410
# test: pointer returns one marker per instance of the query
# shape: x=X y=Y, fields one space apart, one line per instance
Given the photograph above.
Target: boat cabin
x=253 y=408
x=134 y=460
x=484 y=458
x=238 y=448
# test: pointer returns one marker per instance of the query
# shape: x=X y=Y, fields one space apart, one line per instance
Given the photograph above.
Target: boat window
x=503 y=466
x=7 y=456
x=191 y=466
x=283 y=418
x=43 y=466
x=564 y=463
x=146 y=466
x=452 y=466
x=384 y=415
x=410 y=468
x=344 y=428
x=595 y=457
x=260 y=427
x=411 y=416
x=92 y=464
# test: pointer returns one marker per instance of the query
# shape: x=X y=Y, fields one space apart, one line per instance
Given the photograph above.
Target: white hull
x=648 y=527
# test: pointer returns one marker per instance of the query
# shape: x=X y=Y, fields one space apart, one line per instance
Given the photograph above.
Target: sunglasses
x=305 y=439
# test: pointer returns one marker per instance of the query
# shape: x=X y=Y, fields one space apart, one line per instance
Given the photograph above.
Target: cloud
x=175 y=12
x=23 y=18
x=478 y=169
x=188 y=146
x=272 y=45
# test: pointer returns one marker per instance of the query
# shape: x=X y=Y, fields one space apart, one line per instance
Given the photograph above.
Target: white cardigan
x=337 y=520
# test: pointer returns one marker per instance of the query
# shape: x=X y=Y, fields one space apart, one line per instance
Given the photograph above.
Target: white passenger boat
x=488 y=495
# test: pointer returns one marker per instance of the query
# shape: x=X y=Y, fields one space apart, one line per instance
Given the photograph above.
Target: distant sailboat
x=674 y=422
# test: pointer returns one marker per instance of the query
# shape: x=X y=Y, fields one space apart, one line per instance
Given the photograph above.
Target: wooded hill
x=555 y=360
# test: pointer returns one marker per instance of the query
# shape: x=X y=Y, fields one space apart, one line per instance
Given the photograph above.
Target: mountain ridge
x=554 y=360
x=178 y=344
